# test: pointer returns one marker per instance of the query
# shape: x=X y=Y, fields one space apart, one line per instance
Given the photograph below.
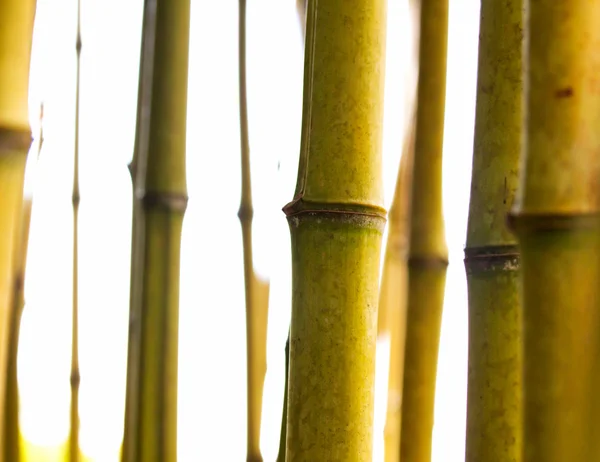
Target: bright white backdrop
x=212 y=399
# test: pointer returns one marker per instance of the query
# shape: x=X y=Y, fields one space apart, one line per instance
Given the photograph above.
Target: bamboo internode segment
x=556 y=220
x=16 y=35
x=257 y=291
x=494 y=430
x=283 y=434
x=159 y=205
x=393 y=296
x=336 y=221
x=428 y=255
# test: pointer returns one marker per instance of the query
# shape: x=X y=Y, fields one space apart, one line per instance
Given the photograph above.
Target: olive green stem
x=428 y=255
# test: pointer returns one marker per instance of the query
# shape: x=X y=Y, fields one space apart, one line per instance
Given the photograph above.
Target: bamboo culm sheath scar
x=428 y=255
x=556 y=221
x=159 y=206
x=336 y=221
x=491 y=253
x=16 y=34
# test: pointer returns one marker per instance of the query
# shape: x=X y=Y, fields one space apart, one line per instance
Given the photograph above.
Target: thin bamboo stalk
x=336 y=221
x=428 y=255
x=16 y=34
x=161 y=189
x=491 y=253
x=257 y=291
x=133 y=345
x=75 y=375
x=393 y=296
x=283 y=434
x=12 y=439
x=556 y=221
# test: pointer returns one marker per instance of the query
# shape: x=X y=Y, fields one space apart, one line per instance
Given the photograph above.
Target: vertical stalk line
x=492 y=261
x=75 y=378
x=16 y=34
x=428 y=254
x=256 y=291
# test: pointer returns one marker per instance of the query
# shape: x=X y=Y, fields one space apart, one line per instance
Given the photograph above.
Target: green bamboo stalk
x=555 y=219
x=75 y=375
x=160 y=186
x=257 y=291
x=283 y=434
x=131 y=417
x=393 y=296
x=11 y=416
x=16 y=34
x=491 y=253
x=336 y=221
x=428 y=255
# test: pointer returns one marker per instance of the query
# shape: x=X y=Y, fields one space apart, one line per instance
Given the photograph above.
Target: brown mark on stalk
x=565 y=92
x=14 y=139
x=491 y=258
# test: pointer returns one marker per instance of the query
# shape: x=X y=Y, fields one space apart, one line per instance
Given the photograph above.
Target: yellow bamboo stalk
x=428 y=255
x=257 y=290
x=16 y=33
x=336 y=221
x=160 y=188
x=393 y=296
x=75 y=375
x=12 y=438
x=491 y=253
x=556 y=221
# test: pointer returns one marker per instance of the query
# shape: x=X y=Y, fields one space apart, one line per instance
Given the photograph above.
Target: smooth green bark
x=491 y=254
x=160 y=187
x=336 y=222
x=428 y=255
x=556 y=221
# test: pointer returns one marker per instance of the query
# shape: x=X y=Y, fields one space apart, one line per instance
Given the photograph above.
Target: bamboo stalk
x=555 y=219
x=160 y=187
x=257 y=291
x=336 y=221
x=428 y=255
x=283 y=434
x=16 y=34
x=75 y=375
x=393 y=296
x=12 y=442
x=491 y=253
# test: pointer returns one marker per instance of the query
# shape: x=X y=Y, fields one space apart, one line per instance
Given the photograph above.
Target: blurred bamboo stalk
x=336 y=222
x=12 y=445
x=428 y=254
x=257 y=291
x=75 y=375
x=491 y=254
x=556 y=221
x=16 y=34
x=161 y=196
x=393 y=295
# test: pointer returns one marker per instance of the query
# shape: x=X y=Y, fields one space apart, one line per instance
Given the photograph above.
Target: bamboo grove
x=531 y=253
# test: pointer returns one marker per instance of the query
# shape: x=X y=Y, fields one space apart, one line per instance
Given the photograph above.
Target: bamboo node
x=245 y=212
x=169 y=202
x=491 y=258
x=427 y=262
x=14 y=139
x=75 y=199
x=528 y=222
x=75 y=379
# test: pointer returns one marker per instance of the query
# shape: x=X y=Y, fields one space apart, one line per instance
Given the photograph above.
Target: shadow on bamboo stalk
x=16 y=35
x=160 y=203
x=491 y=253
x=428 y=255
x=393 y=296
x=12 y=436
x=556 y=221
x=75 y=376
x=336 y=221
x=257 y=291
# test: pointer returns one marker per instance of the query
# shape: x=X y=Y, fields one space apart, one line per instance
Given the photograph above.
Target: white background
x=212 y=380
